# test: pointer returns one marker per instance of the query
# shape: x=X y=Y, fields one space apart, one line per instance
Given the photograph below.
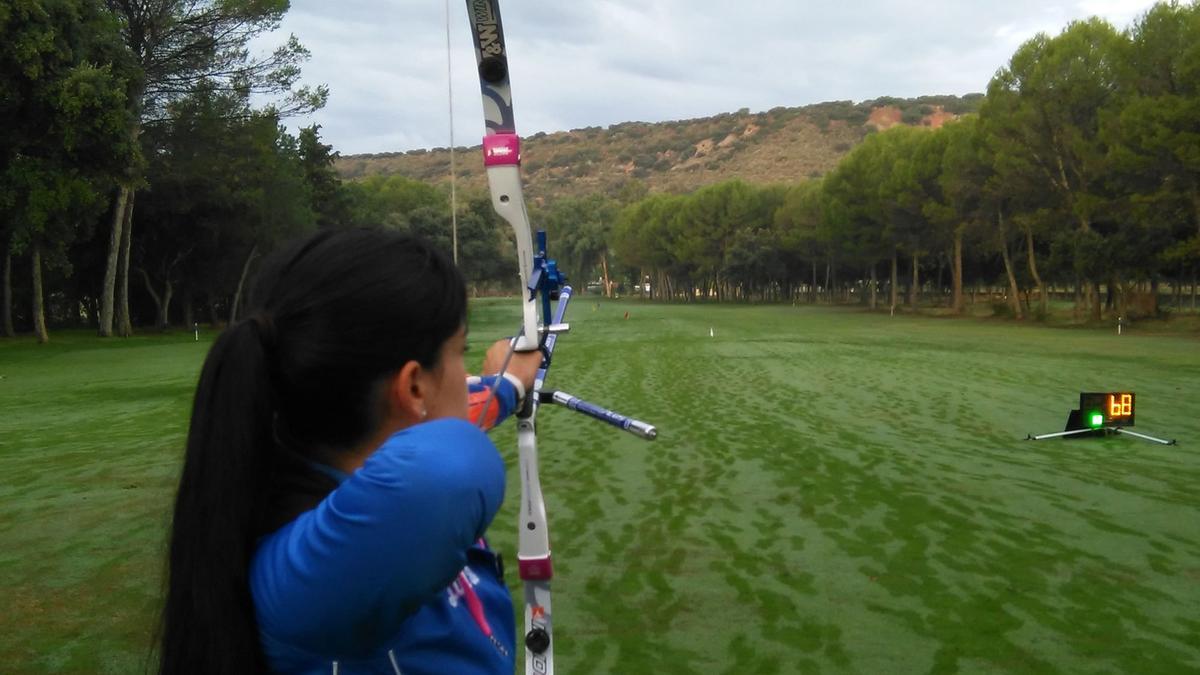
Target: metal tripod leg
x=1061 y=434
x=1119 y=430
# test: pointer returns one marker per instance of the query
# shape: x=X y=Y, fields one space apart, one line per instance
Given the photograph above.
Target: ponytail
x=332 y=316
x=208 y=621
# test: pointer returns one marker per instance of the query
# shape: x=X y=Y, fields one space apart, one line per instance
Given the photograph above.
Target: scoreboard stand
x=1101 y=414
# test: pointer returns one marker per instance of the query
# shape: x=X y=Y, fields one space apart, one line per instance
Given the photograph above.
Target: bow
x=540 y=278
x=502 y=160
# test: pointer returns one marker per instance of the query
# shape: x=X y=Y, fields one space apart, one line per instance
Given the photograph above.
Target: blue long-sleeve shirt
x=389 y=574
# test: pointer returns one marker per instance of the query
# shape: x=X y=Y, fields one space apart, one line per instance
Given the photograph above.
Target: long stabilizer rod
x=636 y=427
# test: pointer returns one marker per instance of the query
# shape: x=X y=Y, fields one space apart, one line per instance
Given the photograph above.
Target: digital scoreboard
x=1106 y=409
x=1101 y=414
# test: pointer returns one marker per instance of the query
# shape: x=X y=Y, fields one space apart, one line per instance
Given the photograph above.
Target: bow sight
x=545 y=280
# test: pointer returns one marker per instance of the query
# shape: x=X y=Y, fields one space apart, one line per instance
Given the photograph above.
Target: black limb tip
x=493 y=69
x=537 y=640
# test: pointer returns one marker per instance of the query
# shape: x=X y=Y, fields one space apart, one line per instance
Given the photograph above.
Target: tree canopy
x=1079 y=176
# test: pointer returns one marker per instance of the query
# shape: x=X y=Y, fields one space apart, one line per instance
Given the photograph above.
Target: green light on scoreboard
x=1096 y=420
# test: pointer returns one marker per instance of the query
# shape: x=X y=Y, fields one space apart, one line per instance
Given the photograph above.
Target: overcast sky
x=579 y=63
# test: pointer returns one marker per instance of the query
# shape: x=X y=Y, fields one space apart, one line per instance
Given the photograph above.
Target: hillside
x=782 y=145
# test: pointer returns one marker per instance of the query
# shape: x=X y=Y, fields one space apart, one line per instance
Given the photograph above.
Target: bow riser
x=502 y=157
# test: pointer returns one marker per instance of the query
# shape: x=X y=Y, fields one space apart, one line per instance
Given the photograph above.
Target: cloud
x=1119 y=12
x=609 y=61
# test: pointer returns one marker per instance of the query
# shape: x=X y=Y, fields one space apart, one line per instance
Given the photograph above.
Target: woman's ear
x=408 y=394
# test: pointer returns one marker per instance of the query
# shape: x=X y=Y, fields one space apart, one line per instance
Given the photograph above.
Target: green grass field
x=831 y=491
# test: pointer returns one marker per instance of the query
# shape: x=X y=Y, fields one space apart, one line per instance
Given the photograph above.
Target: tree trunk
x=1194 y=290
x=162 y=303
x=831 y=280
x=237 y=296
x=124 y=324
x=1014 y=294
x=941 y=279
x=914 y=293
x=150 y=289
x=166 y=307
x=108 y=293
x=607 y=283
x=874 y=298
x=828 y=273
x=895 y=279
x=812 y=289
x=39 y=307
x=1093 y=303
x=956 y=274
x=1033 y=271
x=1196 y=207
x=6 y=310
x=1177 y=288
x=1093 y=286
x=189 y=314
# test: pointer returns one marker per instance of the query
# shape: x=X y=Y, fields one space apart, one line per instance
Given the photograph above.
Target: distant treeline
x=138 y=185
x=1081 y=170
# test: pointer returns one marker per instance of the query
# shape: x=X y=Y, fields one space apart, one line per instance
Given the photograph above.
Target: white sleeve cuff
x=518 y=385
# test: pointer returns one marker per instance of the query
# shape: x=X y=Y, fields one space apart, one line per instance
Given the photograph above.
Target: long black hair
x=330 y=317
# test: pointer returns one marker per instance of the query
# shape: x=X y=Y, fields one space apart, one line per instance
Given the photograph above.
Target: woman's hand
x=522 y=365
